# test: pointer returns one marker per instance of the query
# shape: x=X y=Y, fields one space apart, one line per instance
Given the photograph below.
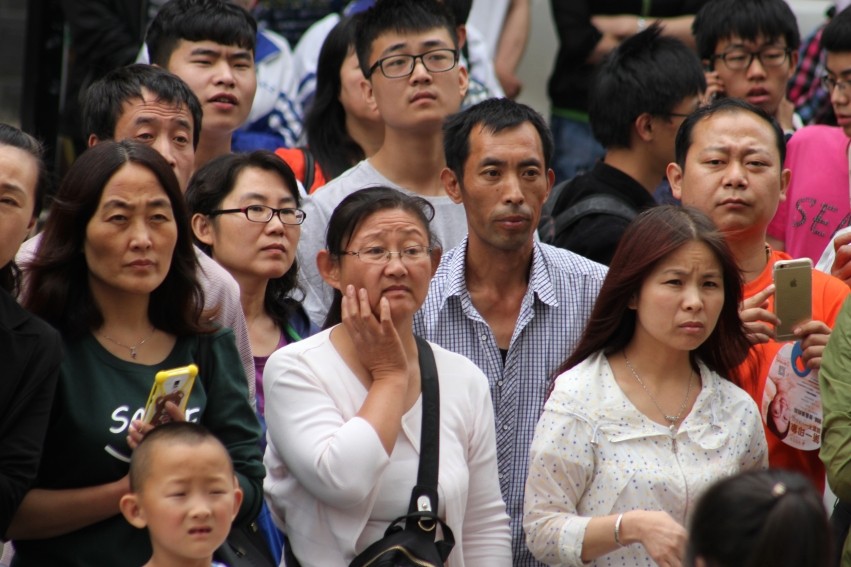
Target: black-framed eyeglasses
x=829 y=83
x=398 y=66
x=740 y=59
x=262 y=213
x=380 y=255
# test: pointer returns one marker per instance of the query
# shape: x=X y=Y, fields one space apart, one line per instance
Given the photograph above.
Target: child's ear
x=131 y=510
x=237 y=497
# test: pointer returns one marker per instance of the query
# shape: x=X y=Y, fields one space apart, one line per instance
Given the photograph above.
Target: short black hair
x=218 y=21
x=400 y=16
x=460 y=10
x=491 y=115
x=719 y=106
x=836 y=36
x=647 y=73
x=103 y=102
x=748 y=19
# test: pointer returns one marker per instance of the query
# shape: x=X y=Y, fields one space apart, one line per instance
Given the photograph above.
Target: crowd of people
x=322 y=231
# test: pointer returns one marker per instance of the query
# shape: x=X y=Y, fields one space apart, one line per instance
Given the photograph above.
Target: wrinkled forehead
x=733 y=127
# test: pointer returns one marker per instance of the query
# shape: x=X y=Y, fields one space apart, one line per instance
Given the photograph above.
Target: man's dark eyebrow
x=205 y=51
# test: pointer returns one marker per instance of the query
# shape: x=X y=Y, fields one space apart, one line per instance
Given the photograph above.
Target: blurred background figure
x=760 y=518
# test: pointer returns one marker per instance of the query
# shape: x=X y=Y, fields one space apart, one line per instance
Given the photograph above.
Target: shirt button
x=484 y=337
x=501 y=475
x=499 y=383
x=505 y=428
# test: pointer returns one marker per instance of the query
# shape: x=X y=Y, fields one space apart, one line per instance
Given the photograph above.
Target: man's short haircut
x=646 y=73
x=460 y=10
x=103 y=102
x=836 y=36
x=183 y=432
x=748 y=19
x=493 y=116
x=402 y=17
x=721 y=106
x=218 y=21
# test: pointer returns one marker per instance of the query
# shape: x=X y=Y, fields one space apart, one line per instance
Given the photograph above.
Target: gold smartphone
x=169 y=386
x=793 y=296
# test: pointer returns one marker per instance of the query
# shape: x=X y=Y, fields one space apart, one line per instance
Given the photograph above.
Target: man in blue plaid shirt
x=510 y=304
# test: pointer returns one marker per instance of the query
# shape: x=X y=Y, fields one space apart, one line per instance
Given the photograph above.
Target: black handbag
x=410 y=539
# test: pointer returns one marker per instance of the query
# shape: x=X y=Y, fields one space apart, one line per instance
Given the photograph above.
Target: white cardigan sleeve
x=334 y=455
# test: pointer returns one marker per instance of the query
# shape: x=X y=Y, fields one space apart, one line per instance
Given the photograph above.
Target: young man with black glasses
x=408 y=52
x=749 y=49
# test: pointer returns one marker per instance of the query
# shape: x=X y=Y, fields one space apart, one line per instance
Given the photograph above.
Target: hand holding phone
x=714 y=84
x=793 y=298
x=169 y=386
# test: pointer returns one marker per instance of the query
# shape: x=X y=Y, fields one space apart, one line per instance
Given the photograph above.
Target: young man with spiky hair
x=750 y=51
x=210 y=45
x=408 y=51
x=664 y=80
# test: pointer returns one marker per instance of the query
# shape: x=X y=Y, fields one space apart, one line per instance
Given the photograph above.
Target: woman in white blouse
x=344 y=410
x=643 y=419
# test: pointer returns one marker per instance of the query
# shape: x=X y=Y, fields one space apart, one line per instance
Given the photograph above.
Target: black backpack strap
x=309 y=169
x=594 y=205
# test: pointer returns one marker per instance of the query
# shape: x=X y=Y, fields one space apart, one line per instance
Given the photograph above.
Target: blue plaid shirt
x=562 y=289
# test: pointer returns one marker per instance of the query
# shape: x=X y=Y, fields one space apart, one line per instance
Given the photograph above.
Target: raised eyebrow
x=253 y=197
x=205 y=51
x=119 y=204
x=184 y=123
x=844 y=74
x=427 y=45
x=491 y=161
x=531 y=162
x=159 y=203
x=240 y=55
x=9 y=187
x=404 y=231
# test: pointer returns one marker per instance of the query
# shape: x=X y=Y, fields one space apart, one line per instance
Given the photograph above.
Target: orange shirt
x=780 y=364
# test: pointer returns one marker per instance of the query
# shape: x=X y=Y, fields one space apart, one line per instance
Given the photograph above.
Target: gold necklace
x=133 y=349
x=671 y=419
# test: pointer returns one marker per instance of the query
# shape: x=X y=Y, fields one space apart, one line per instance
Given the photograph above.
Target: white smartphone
x=793 y=296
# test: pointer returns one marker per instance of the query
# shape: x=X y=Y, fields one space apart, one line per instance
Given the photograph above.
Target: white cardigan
x=325 y=466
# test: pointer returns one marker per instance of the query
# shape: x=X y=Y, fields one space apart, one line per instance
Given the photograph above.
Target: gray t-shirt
x=449 y=225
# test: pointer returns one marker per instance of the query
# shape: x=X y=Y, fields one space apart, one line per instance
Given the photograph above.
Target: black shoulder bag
x=413 y=544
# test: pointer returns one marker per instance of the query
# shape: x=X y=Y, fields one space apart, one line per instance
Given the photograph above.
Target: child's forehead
x=173 y=456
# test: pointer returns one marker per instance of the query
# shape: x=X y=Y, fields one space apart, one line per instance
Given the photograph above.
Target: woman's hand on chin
x=376 y=341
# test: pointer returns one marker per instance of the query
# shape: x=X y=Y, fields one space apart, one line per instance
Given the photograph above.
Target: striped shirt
x=561 y=293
